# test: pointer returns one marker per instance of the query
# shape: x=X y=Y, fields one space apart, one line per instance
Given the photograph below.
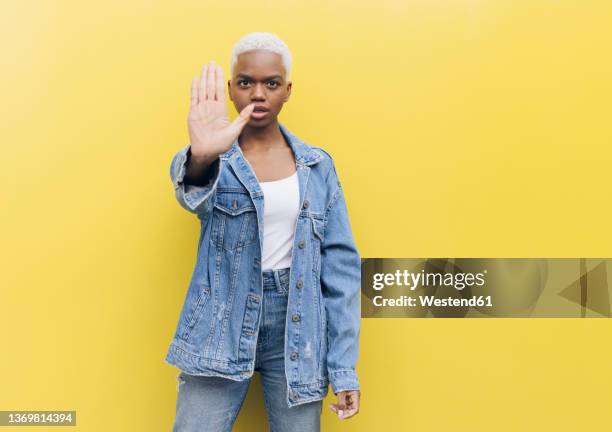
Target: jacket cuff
x=343 y=380
x=194 y=195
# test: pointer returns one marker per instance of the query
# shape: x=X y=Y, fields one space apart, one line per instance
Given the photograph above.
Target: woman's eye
x=244 y=83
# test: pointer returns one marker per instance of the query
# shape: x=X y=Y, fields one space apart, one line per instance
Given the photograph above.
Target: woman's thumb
x=242 y=119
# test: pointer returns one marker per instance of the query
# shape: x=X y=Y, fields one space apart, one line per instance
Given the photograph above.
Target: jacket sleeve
x=193 y=198
x=341 y=288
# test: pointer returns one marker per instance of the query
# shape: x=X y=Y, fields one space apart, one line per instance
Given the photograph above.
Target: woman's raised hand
x=210 y=130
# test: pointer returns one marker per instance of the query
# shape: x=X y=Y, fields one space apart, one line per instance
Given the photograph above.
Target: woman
x=277 y=280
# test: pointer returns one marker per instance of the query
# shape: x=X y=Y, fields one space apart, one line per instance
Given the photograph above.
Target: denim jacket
x=218 y=325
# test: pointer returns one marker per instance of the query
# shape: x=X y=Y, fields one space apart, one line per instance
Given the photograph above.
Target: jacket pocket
x=234 y=220
x=194 y=313
x=248 y=338
x=318 y=230
x=251 y=315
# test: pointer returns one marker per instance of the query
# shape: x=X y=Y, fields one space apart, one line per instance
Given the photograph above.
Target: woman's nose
x=258 y=92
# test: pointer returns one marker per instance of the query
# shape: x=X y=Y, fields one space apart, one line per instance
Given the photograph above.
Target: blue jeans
x=212 y=403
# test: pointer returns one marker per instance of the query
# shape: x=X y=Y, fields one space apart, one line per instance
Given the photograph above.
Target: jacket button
x=295 y=317
x=294 y=355
x=305 y=204
x=301 y=244
x=299 y=283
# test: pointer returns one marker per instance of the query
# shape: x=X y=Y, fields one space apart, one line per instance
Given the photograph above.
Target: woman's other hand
x=348 y=404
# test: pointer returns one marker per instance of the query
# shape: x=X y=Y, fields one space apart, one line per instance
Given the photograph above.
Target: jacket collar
x=304 y=154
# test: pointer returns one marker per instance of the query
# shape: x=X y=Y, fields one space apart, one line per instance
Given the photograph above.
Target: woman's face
x=259 y=77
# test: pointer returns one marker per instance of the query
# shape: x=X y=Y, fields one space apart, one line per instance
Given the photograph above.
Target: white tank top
x=281 y=209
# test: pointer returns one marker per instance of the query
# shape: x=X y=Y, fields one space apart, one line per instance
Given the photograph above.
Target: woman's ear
x=288 y=91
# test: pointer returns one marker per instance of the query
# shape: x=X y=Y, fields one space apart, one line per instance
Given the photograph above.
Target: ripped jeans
x=213 y=403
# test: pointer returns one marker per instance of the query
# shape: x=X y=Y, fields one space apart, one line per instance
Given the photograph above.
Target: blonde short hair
x=265 y=41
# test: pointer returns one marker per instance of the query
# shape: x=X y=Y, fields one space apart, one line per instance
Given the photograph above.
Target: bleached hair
x=262 y=40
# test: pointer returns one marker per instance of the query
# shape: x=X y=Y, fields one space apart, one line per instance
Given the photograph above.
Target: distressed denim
x=212 y=404
x=217 y=330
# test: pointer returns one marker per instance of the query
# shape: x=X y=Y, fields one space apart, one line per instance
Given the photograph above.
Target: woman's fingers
x=342 y=413
x=194 y=92
x=220 y=93
x=348 y=413
x=209 y=86
x=210 y=81
x=347 y=406
x=202 y=86
x=238 y=124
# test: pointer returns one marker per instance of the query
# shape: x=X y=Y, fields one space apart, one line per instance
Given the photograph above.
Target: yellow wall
x=459 y=128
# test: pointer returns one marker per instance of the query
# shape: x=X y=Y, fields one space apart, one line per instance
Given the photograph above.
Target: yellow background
x=459 y=129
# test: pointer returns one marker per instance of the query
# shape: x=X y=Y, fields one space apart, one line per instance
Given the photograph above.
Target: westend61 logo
x=413 y=279
x=438 y=282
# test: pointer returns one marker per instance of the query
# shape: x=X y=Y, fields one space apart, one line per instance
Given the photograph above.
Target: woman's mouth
x=259 y=113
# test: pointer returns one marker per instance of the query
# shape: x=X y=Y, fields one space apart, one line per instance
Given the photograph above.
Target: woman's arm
x=341 y=288
x=192 y=193
x=195 y=169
